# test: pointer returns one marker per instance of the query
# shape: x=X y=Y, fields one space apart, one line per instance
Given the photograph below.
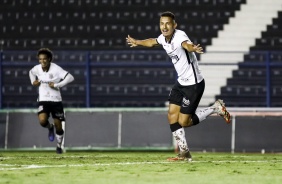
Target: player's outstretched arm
x=192 y=48
x=68 y=79
x=150 y=42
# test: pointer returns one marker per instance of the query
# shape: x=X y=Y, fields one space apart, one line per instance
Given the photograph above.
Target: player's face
x=167 y=26
x=44 y=60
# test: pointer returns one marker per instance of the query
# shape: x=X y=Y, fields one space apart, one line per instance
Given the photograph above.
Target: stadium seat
x=92 y=27
x=99 y=90
x=250 y=79
x=276 y=56
x=255 y=57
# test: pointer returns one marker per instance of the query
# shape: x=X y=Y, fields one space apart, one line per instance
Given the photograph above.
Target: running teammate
x=187 y=92
x=49 y=77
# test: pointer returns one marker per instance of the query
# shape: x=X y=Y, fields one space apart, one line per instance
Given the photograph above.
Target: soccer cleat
x=184 y=156
x=220 y=109
x=51 y=134
x=59 y=150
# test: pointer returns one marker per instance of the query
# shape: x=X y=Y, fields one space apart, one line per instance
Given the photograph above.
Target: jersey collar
x=169 y=41
x=47 y=68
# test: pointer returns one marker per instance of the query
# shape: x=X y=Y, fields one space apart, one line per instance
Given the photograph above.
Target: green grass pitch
x=28 y=167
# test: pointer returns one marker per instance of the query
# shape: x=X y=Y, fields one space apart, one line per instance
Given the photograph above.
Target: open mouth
x=165 y=31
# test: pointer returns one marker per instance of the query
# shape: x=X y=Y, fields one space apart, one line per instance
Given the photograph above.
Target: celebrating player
x=187 y=92
x=50 y=77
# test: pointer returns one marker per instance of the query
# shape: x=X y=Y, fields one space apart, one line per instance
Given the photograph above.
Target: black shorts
x=54 y=108
x=188 y=97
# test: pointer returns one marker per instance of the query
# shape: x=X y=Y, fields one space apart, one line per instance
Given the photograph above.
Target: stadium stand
x=92 y=33
x=248 y=85
x=104 y=22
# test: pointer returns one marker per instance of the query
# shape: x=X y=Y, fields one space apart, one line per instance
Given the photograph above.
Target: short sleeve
x=61 y=72
x=160 y=39
x=33 y=71
x=182 y=38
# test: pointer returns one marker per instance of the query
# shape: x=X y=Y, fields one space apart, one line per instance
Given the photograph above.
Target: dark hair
x=47 y=52
x=168 y=14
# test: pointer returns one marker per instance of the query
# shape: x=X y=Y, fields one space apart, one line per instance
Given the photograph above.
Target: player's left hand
x=198 y=49
x=51 y=85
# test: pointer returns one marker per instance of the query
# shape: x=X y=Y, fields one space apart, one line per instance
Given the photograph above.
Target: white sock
x=179 y=136
x=59 y=140
x=204 y=113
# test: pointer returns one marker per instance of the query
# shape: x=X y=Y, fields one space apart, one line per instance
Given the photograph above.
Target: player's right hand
x=131 y=41
x=36 y=83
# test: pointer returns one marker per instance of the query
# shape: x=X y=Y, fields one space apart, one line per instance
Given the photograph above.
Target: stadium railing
x=87 y=60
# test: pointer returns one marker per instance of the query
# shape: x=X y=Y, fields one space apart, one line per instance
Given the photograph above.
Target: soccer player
x=49 y=78
x=187 y=91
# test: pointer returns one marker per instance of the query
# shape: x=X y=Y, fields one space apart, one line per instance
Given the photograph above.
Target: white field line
x=83 y=156
x=24 y=167
x=89 y=156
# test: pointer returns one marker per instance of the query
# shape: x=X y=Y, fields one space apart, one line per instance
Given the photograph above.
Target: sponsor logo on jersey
x=174 y=58
x=44 y=82
x=184 y=79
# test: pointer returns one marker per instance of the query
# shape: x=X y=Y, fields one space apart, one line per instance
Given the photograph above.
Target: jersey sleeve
x=33 y=71
x=32 y=74
x=160 y=39
x=61 y=72
x=182 y=37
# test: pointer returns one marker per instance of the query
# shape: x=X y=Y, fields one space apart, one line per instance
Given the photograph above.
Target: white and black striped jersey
x=185 y=63
x=54 y=74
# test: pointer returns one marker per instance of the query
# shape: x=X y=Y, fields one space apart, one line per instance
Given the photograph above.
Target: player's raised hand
x=131 y=41
x=198 y=49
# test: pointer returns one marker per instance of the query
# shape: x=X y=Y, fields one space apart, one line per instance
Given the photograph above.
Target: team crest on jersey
x=51 y=76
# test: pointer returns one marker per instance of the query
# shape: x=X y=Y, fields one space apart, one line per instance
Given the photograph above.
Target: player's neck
x=168 y=37
x=46 y=69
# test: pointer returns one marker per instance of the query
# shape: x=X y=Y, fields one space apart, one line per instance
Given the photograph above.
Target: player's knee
x=192 y=121
x=187 y=123
x=43 y=122
x=195 y=119
x=172 y=117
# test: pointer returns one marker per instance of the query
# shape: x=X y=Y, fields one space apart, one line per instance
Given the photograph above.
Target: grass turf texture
x=138 y=167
